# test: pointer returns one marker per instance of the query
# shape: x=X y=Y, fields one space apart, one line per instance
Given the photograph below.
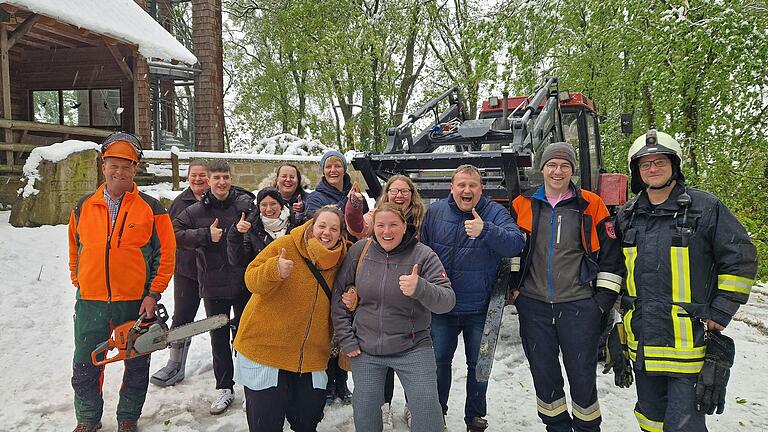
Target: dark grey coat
x=387 y=321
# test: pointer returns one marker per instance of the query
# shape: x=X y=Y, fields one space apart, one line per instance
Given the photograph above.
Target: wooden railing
x=16 y=152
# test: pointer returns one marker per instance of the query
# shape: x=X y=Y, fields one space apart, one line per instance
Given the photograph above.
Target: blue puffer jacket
x=471 y=264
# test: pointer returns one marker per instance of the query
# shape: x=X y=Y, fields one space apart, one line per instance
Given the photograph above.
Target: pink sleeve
x=359 y=225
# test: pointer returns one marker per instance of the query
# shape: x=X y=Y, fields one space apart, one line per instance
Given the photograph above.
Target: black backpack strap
x=319 y=277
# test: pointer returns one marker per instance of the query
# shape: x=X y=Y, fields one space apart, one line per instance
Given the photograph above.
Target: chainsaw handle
x=104 y=348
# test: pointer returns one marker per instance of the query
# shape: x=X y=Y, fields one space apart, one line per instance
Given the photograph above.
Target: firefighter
x=690 y=265
x=571 y=273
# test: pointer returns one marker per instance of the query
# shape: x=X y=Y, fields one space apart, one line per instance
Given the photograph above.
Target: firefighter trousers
x=573 y=327
x=667 y=403
x=94 y=321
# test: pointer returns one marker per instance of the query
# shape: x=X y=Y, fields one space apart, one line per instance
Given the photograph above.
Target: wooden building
x=78 y=69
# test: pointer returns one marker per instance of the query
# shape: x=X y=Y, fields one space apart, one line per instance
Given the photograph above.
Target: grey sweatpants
x=417 y=372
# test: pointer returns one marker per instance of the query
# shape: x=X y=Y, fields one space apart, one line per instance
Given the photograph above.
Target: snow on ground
x=37 y=302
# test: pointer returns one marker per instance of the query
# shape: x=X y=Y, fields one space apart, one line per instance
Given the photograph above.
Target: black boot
x=330 y=388
x=478 y=424
x=342 y=391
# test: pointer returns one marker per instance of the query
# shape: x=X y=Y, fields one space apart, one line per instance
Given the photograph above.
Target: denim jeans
x=445 y=338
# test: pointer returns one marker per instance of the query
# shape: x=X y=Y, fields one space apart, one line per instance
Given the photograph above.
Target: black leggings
x=294 y=399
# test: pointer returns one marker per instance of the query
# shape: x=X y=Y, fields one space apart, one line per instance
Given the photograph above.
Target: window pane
x=76 y=107
x=593 y=157
x=106 y=108
x=45 y=106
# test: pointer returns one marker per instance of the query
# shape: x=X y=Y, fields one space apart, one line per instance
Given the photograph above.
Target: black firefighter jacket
x=217 y=278
x=684 y=267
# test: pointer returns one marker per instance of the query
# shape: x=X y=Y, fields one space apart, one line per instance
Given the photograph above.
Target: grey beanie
x=333 y=153
x=558 y=150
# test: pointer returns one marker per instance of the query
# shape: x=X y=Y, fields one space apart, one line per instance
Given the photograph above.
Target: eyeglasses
x=658 y=163
x=563 y=167
x=394 y=192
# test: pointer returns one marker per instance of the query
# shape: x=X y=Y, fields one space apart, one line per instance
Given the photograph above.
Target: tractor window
x=571 y=134
x=594 y=159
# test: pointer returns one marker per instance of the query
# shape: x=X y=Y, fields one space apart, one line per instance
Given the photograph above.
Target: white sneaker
x=386 y=416
x=224 y=398
x=407 y=416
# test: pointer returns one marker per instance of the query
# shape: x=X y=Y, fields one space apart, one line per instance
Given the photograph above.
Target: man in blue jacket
x=470 y=234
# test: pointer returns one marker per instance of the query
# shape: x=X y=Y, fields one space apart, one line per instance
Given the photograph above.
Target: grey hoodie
x=386 y=321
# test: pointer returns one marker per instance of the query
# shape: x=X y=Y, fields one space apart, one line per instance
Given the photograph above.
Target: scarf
x=276 y=227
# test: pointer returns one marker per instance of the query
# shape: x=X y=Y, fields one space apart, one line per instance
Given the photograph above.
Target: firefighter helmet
x=654 y=142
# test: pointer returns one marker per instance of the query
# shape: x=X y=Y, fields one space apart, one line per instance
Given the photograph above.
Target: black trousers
x=294 y=399
x=221 y=344
x=572 y=328
x=186 y=300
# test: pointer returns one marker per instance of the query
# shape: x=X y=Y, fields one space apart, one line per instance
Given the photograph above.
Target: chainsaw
x=135 y=339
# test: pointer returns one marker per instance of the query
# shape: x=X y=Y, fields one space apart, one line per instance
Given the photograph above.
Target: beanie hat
x=558 y=150
x=269 y=192
x=330 y=154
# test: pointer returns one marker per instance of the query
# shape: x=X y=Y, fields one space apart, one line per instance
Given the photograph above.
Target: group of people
x=319 y=284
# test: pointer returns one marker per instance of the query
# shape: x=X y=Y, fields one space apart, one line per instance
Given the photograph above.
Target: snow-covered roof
x=124 y=20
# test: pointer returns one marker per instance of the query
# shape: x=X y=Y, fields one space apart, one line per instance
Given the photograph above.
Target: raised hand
x=409 y=282
x=355 y=196
x=474 y=227
x=243 y=226
x=284 y=265
x=298 y=206
x=216 y=231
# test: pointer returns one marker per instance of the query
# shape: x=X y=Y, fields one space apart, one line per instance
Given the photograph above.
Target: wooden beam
x=120 y=59
x=28 y=42
x=5 y=81
x=51 y=40
x=25 y=148
x=68 y=34
x=54 y=128
x=23 y=29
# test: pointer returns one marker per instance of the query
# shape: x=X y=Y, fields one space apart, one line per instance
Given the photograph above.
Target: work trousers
x=573 y=327
x=94 y=321
x=667 y=403
x=221 y=344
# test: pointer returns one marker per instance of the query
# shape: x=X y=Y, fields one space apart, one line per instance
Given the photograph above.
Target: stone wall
x=60 y=185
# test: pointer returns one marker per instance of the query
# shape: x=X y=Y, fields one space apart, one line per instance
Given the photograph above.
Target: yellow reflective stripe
x=551 y=409
x=590 y=413
x=647 y=424
x=673 y=366
x=735 y=283
x=631 y=341
x=681 y=292
x=630 y=255
x=675 y=353
x=609 y=281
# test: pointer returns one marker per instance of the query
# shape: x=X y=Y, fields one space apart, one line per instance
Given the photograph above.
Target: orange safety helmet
x=122 y=145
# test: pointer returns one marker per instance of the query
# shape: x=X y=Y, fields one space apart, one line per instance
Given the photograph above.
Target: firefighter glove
x=713 y=379
x=617 y=356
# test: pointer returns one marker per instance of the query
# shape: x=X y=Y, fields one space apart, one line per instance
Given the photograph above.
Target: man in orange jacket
x=122 y=251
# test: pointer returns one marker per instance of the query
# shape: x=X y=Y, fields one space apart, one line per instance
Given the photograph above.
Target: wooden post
x=175 y=170
x=6 y=83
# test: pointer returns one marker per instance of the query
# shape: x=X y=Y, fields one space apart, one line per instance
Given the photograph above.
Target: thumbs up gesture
x=284 y=265
x=216 y=231
x=474 y=226
x=242 y=225
x=298 y=206
x=408 y=282
x=355 y=196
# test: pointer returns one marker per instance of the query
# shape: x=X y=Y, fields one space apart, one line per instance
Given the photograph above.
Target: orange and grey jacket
x=571 y=253
x=684 y=266
x=126 y=260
